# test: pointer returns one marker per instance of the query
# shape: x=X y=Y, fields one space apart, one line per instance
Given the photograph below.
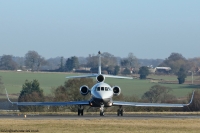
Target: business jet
x=101 y=96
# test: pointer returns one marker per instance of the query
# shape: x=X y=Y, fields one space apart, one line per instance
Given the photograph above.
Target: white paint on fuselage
x=102 y=94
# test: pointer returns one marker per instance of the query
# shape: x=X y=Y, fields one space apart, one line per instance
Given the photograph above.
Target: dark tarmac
x=88 y=117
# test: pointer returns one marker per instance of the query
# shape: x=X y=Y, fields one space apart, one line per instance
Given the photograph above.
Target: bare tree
x=108 y=62
x=108 y=59
x=130 y=62
x=41 y=61
x=33 y=60
x=133 y=60
x=194 y=64
x=6 y=63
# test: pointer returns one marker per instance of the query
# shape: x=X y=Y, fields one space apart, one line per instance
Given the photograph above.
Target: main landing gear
x=120 y=111
x=80 y=110
x=102 y=110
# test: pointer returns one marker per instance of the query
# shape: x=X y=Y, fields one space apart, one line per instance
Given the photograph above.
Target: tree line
x=111 y=64
x=33 y=60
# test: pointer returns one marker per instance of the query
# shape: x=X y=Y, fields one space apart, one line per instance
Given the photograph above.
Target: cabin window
x=98 y=88
x=102 y=88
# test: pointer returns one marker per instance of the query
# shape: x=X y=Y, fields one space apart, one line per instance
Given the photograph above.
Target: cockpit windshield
x=98 y=88
x=106 y=89
x=103 y=89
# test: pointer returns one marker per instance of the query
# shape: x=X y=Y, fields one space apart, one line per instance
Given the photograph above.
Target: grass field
x=102 y=126
x=13 y=82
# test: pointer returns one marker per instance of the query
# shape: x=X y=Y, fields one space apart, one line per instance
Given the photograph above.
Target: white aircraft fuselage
x=102 y=94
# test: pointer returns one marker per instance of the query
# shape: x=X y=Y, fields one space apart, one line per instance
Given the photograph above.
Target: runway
x=90 y=117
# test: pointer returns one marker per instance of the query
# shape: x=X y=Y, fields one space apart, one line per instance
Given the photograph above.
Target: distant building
x=82 y=70
x=164 y=70
x=198 y=70
x=152 y=70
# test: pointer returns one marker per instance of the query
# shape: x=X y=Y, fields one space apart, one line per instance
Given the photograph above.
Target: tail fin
x=99 y=68
x=99 y=72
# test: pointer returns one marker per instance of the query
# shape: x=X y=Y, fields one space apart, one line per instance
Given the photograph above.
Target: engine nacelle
x=116 y=90
x=100 y=78
x=84 y=90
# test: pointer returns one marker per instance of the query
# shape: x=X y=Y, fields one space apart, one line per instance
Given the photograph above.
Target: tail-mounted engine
x=116 y=90
x=100 y=78
x=84 y=90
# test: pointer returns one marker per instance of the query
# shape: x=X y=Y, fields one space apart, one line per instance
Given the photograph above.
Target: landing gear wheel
x=120 y=111
x=101 y=113
x=80 y=110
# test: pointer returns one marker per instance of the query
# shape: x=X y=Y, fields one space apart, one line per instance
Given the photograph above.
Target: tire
x=101 y=113
x=121 y=112
x=118 y=112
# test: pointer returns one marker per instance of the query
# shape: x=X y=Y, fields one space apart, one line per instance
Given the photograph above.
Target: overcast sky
x=149 y=29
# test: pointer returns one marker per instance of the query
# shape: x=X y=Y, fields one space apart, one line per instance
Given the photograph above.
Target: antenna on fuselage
x=99 y=70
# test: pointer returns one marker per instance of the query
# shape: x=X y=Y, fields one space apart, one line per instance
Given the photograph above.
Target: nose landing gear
x=102 y=110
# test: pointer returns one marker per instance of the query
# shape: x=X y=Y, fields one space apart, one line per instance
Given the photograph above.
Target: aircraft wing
x=117 y=103
x=136 y=104
x=51 y=103
x=48 y=103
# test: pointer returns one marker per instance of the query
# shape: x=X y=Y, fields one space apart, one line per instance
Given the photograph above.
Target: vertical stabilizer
x=99 y=69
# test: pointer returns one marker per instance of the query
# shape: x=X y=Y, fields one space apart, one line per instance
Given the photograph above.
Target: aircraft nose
x=105 y=95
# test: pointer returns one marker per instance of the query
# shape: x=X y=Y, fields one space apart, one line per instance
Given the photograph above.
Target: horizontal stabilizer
x=83 y=76
x=95 y=75
x=117 y=77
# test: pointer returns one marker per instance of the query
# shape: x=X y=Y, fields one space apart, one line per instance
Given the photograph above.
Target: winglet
x=7 y=96
x=191 y=98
